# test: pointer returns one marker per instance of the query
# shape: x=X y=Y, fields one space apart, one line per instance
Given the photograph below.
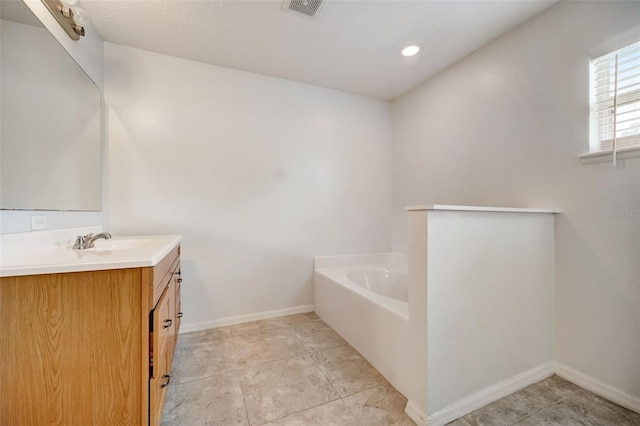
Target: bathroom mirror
x=50 y=125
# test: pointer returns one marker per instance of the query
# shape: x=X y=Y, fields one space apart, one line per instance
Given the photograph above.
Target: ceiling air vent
x=306 y=7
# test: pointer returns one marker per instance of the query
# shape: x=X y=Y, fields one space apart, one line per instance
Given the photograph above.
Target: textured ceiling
x=349 y=45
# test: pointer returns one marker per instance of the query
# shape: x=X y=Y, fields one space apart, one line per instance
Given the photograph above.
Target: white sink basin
x=119 y=244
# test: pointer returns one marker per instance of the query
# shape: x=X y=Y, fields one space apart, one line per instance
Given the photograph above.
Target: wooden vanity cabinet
x=163 y=338
x=88 y=348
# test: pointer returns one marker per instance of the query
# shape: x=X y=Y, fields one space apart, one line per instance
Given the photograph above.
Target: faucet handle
x=79 y=244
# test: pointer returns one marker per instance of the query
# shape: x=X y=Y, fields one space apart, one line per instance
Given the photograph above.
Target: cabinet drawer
x=162 y=274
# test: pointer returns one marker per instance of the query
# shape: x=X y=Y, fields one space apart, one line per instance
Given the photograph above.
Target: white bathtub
x=383 y=281
x=364 y=299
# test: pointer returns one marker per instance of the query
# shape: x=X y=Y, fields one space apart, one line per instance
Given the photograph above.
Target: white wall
x=504 y=127
x=88 y=53
x=259 y=175
x=490 y=304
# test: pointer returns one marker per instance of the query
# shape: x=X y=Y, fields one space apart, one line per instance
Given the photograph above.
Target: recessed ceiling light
x=410 y=49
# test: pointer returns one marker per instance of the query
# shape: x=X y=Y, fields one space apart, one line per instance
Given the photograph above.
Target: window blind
x=615 y=109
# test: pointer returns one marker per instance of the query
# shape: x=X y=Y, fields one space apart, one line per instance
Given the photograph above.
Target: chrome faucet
x=86 y=241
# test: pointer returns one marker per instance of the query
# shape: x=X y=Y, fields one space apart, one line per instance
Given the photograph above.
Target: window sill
x=623 y=153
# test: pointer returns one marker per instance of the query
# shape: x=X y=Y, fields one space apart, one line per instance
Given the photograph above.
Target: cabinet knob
x=167 y=379
x=179 y=315
x=179 y=280
x=178 y=273
x=167 y=323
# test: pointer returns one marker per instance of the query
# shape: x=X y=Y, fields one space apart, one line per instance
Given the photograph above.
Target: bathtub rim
x=388 y=275
x=338 y=275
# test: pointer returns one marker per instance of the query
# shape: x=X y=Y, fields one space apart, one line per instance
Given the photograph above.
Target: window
x=615 y=100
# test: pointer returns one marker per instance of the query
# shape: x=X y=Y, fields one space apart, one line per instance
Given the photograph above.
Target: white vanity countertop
x=36 y=253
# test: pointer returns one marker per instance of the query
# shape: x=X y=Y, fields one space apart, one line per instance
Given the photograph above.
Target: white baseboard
x=600 y=388
x=490 y=394
x=416 y=414
x=238 y=319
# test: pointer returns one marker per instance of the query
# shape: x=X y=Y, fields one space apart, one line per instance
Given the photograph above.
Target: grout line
x=302 y=411
x=276 y=320
x=380 y=385
x=244 y=397
x=307 y=351
x=528 y=415
x=319 y=367
x=266 y=364
x=352 y=412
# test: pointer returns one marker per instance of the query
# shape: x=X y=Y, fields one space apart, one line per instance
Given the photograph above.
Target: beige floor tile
x=505 y=411
x=266 y=346
x=551 y=390
x=347 y=371
x=578 y=407
x=282 y=388
x=602 y=406
x=257 y=326
x=633 y=416
x=596 y=410
x=199 y=336
x=316 y=335
x=195 y=360
x=307 y=316
x=216 y=401
x=459 y=422
x=382 y=405
x=335 y=413
x=554 y=415
x=604 y=416
x=285 y=385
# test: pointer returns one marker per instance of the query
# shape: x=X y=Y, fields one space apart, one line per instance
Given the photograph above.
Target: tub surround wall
x=258 y=174
x=489 y=284
x=417 y=407
x=505 y=126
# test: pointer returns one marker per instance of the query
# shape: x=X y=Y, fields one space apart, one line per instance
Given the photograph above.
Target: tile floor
x=553 y=401
x=285 y=371
x=296 y=371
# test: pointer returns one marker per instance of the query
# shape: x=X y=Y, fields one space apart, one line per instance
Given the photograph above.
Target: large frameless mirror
x=51 y=120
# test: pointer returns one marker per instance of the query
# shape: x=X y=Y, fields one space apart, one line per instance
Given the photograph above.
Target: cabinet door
x=166 y=322
x=162 y=352
x=178 y=288
x=163 y=326
x=158 y=389
x=73 y=349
